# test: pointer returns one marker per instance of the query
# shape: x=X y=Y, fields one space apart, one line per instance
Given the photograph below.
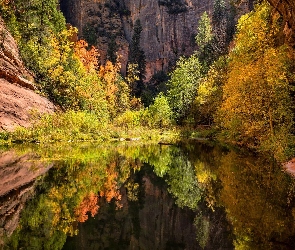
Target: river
x=194 y=195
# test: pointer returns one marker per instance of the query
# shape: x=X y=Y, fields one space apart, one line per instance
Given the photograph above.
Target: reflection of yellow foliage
x=253 y=194
x=203 y=175
x=132 y=191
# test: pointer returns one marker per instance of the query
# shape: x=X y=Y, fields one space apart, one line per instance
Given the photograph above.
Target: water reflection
x=190 y=196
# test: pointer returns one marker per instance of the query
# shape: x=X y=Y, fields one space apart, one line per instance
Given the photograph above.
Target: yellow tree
x=256 y=108
x=116 y=89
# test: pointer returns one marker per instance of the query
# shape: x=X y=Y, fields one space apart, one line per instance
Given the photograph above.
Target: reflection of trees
x=89 y=204
x=258 y=204
x=257 y=197
x=68 y=193
x=203 y=225
x=183 y=183
x=245 y=194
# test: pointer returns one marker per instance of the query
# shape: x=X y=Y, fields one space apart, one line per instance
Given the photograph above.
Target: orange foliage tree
x=116 y=89
x=89 y=58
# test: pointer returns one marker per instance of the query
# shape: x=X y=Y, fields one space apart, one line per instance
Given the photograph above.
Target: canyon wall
x=287 y=9
x=17 y=97
x=169 y=27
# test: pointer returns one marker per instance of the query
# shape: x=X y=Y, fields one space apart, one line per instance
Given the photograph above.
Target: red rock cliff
x=287 y=9
x=169 y=27
x=17 y=96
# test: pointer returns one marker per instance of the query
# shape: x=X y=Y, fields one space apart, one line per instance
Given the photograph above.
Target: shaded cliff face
x=169 y=27
x=168 y=31
x=287 y=9
x=17 y=98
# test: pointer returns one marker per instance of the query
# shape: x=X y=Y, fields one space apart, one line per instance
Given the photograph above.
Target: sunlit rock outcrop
x=17 y=97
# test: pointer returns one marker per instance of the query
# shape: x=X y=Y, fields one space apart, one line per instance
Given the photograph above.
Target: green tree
x=205 y=33
x=160 y=112
x=37 y=18
x=204 y=39
x=215 y=34
x=183 y=86
x=209 y=96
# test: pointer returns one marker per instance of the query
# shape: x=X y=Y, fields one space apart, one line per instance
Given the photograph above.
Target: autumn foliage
x=89 y=58
x=88 y=205
x=110 y=189
x=256 y=108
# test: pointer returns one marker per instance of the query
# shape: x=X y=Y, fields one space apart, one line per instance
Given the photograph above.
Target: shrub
x=68 y=126
x=160 y=112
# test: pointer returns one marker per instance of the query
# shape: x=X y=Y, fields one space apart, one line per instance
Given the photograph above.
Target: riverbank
x=83 y=126
x=78 y=126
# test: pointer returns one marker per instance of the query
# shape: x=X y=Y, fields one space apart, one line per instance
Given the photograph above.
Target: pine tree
x=137 y=56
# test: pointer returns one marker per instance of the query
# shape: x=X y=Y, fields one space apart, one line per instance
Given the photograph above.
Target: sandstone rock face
x=17 y=104
x=287 y=9
x=11 y=66
x=17 y=98
x=169 y=27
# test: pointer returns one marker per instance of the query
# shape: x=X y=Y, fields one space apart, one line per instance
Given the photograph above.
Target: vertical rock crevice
x=169 y=27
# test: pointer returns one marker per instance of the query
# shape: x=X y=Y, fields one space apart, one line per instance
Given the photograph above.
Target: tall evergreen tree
x=204 y=41
x=137 y=57
x=223 y=21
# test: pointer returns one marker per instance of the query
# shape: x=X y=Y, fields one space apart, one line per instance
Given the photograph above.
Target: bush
x=129 y=119
x=160 y=112
x=69 y=126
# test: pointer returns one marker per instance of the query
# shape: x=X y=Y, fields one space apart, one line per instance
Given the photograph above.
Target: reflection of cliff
x=11 y=206
x=151 y=222
x=17 y=178
x=154 y=222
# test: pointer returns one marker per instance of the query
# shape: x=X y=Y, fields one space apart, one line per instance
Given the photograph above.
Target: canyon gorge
x=169 y=27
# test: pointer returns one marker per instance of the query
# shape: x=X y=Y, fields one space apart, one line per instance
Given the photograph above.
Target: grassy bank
x=83 y=126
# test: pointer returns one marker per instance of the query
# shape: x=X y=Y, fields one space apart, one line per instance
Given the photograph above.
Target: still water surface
x=129 y=196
